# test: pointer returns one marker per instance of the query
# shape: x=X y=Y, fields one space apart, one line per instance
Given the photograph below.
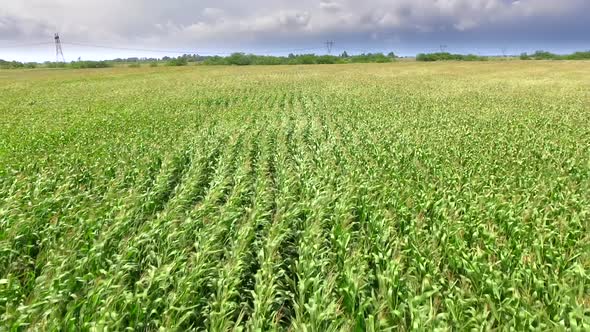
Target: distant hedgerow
x=444 y=56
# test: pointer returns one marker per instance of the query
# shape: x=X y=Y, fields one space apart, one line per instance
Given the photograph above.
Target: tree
x=180 y=61
x=239 y=59
x=344 y=55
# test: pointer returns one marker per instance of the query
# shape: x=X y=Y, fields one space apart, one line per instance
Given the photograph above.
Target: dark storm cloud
x=262 y=24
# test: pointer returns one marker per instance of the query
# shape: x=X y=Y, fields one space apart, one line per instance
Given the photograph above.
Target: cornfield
x=401 y=196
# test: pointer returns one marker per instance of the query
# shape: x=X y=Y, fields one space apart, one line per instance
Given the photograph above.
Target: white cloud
x=181 y=21
x=329 y=5
x=465 y=24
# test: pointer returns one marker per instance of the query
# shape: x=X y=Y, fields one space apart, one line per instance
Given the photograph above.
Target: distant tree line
x=15 y=64
x=74 y=64
x=242 y=59
x=538 y=55
x=444 y=56
x=544 y=55
x=239 y=59
x=187 y=57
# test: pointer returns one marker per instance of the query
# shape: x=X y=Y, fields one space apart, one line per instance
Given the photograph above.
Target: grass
x=405 y=196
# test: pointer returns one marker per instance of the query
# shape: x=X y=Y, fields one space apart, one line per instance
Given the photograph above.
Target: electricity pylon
x=58 y=51
x=329 y=46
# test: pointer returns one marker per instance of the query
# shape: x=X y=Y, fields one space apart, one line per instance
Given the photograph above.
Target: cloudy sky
x=142 y=27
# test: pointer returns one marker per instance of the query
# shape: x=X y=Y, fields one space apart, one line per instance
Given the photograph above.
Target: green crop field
x=402 y=196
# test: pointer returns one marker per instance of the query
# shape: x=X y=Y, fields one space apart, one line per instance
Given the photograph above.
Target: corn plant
x=368 y=197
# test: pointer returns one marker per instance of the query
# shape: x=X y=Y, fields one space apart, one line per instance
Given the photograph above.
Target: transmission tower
x=58 y=51
x=329 y=46
x=443 y=48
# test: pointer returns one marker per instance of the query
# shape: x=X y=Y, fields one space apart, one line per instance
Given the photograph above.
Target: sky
x=105 y=29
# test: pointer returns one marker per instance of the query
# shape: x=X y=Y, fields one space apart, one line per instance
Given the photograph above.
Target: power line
x=25 y=45
x=329 y=44
x=152 y=50
x=291 y=50
x=132 y=49
x=357 y=49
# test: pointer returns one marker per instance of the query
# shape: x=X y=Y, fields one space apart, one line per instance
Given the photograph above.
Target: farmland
x=402 y=196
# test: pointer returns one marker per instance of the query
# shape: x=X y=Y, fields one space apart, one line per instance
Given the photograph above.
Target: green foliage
x=578 y=56
x=326 y=60
x=89 y=64
x=242 y=59
x=239 y=59
x=368 y=58
x=448 y=197
x=54 y=65
x=444 y=56
x=11 y=65
x=304 y=59
x=544 y=55
x=177 y=62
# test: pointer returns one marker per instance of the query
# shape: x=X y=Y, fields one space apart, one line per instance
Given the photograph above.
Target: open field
x=403 y=196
